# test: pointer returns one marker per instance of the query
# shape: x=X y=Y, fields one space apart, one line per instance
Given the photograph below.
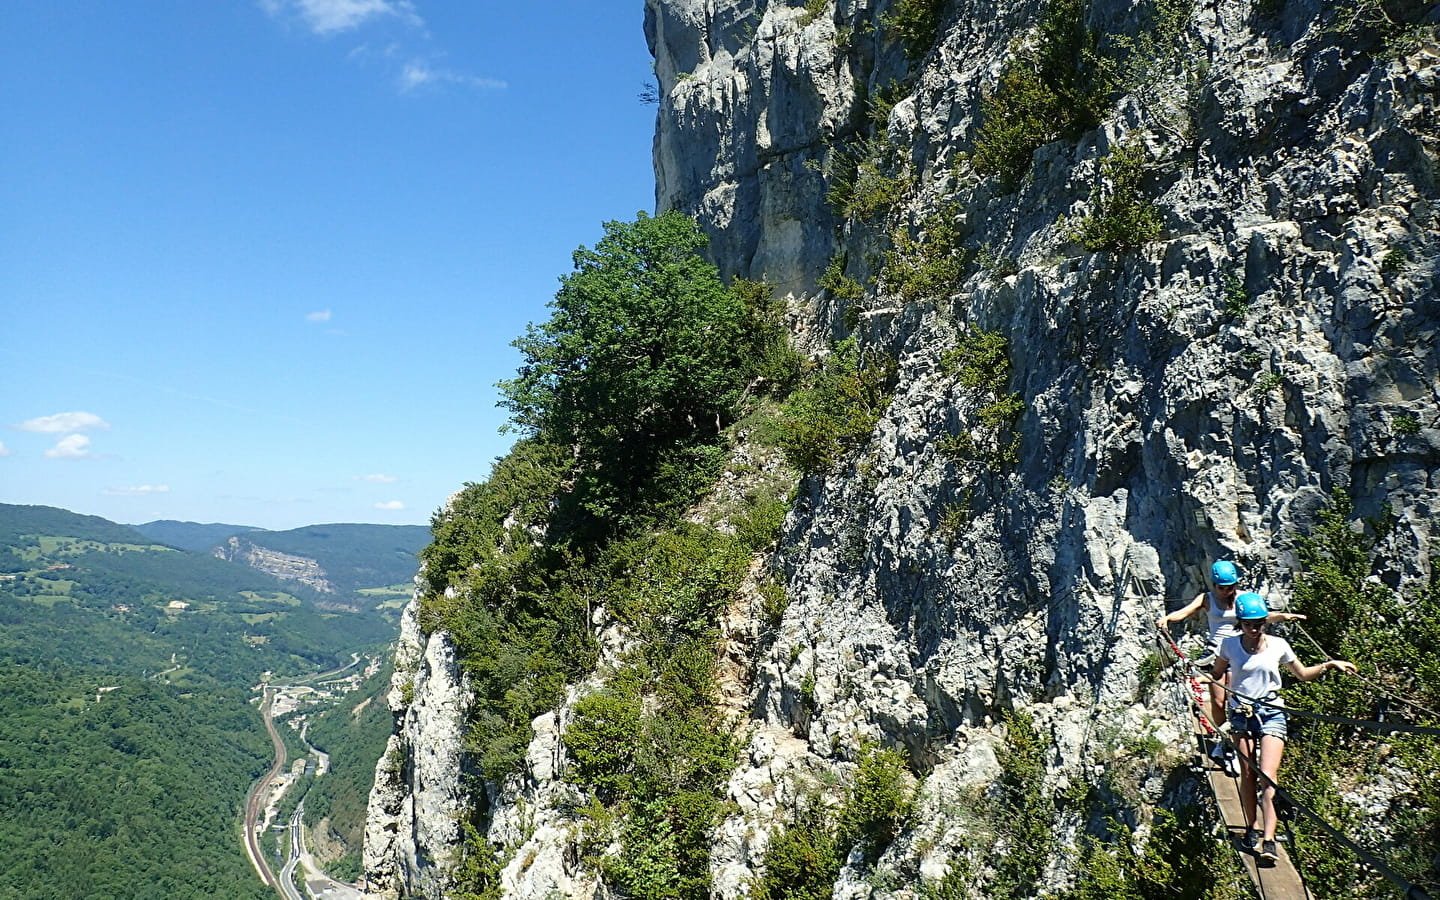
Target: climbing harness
x=1371 y=724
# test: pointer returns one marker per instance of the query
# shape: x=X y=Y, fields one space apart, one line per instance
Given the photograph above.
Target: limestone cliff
x=1190 y=392
x=273 y=562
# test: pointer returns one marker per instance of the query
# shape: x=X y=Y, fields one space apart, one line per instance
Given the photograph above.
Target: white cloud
x=62 y=422
x=322 y=315
x=418 y=73
x=138 y=491
x=4 y=451
x=377 y=479
x=72 y=446
x=326 y=17
x=390 y=505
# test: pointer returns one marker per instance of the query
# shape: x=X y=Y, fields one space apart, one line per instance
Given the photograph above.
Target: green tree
x=644 y=358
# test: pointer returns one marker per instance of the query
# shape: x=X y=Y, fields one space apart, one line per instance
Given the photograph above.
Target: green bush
x=601 y=739
x=814 y=9
x=774 y=364
x=1395 y=639
x=838 y=283
x=1056 y=88
x=927 y=266
x=1025 y=813
x=836 y=409
x=477 y=877
x=1121 y=214
x=1180 y=860
x=1236 y=297
x=981 y=364
x=857 y=185
x=801 y=862
x=916 y=24
x=803 y=859
x=879 y=803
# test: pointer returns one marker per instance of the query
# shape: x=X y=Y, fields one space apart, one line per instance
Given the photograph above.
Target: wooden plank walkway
x=1277 y=881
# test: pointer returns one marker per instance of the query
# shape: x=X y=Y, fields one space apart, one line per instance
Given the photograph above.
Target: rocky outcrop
x=1161 y=429
x=273 y=562
x=421 y=796
x=1193 y=397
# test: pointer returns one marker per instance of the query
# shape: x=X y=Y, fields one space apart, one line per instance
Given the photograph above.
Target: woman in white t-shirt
x=1219 y=606
x=1253 y=660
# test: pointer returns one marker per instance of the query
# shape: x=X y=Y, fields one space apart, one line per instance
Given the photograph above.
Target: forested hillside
x=129 y=735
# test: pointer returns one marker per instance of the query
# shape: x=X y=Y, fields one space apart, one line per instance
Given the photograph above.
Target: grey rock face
x=420 y=799
x=272 y=562
x=1162 y=430
x=1196 y=397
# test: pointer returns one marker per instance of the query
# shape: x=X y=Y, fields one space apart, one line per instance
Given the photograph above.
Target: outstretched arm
x=1310 y=673
x=1182 y=613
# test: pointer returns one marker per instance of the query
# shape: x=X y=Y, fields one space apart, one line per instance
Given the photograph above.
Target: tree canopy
x=644 y=359
x=645 y=343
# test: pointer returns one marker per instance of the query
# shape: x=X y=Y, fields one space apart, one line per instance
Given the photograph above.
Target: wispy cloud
x=72 y=446
x=4 y=451
x=377 y=479
x=327 y=17
x=418 y=74
x=62 y=422
x=143 y=490
x=322 y=315
x=391 y=505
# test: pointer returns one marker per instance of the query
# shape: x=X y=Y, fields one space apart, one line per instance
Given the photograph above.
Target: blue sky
x=261 y=261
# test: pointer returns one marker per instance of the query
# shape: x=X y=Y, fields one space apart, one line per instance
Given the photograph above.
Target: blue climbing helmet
x=1224 y=573
x=1251 y=605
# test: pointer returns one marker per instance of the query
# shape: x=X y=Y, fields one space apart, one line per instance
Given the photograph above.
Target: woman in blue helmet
x=1253 y=660
x=1219 y=605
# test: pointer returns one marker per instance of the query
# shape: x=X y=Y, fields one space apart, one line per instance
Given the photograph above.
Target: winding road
x=255 y=801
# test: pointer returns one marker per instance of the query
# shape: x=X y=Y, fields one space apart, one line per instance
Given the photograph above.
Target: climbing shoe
x=1268 y=851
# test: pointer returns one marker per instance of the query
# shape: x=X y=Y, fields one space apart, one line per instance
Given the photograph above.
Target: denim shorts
x=1262 y=720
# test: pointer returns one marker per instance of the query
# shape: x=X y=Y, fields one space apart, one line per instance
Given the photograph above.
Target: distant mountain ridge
x=191 y=535
x=334 y=558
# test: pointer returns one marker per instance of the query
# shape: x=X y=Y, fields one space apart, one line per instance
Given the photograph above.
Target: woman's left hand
x=1347 y=667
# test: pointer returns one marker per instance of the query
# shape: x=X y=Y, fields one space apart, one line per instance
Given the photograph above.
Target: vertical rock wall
x=1161 y=430
x=1164 y=426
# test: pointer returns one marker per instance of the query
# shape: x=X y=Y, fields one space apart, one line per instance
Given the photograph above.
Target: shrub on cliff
x=837 y=409
x=1056 y=88
x=645 y=358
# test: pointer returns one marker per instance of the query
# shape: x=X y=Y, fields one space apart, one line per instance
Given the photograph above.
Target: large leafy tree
x=644 y=343
x=645 y=356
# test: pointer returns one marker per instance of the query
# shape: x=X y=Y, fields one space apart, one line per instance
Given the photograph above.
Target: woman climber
x=1258 y=728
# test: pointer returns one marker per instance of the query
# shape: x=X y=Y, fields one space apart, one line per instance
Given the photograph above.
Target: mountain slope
x=130 y=735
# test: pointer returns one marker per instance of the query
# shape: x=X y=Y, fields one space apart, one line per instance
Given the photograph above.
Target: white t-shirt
x=1256 y=674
